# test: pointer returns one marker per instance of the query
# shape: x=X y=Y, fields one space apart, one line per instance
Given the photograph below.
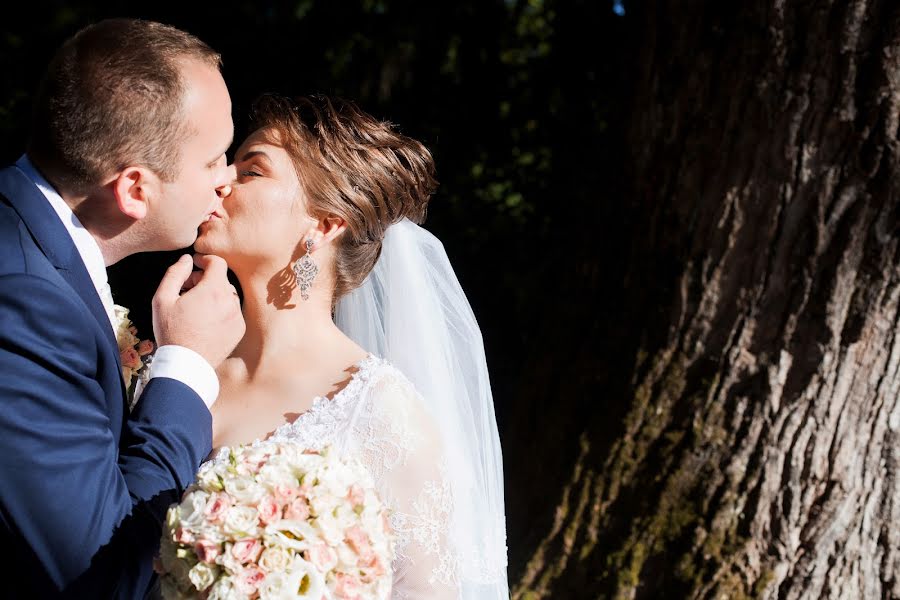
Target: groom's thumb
x=170 y=287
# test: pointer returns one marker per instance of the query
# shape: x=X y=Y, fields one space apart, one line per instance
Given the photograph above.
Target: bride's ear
x=328 y=230
x=132 y=189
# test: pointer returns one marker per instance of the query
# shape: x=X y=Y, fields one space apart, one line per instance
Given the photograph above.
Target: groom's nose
x=229 y=176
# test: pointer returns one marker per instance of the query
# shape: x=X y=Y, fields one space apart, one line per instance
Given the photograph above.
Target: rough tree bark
x=756 y=450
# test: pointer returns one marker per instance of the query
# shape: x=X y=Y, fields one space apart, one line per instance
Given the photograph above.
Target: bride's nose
x=230 y=175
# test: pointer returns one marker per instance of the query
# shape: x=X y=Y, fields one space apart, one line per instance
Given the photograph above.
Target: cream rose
x=192 y=509
x=276 y=559
x=202 y=576
x=241 y=521
x=244 y=490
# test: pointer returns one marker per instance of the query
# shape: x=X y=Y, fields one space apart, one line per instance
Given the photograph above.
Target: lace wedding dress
x=379 y=419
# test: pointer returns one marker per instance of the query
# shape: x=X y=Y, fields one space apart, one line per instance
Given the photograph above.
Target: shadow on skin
x=283 y=283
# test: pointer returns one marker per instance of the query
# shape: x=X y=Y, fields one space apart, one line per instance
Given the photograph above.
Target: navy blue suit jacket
x=84 y=485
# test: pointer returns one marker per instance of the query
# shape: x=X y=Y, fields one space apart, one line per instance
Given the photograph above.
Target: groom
x=127 y=155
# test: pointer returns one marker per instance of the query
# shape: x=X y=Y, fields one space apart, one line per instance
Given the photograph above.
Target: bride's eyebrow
x=255 y=154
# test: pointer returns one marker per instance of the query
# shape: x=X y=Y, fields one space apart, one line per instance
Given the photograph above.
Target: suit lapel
x=54 y=240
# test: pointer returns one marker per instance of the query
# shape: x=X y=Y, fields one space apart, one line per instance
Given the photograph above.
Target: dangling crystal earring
x=305 y=270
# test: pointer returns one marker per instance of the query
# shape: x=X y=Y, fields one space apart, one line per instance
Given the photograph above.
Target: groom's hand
x=207 y=317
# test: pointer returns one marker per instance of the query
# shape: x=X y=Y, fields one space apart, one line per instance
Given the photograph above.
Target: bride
x=359 y=336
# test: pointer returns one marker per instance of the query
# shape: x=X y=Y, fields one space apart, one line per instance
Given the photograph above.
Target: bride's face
x=264 y=217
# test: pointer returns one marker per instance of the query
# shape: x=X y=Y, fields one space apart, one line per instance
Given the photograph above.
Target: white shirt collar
x=87 y=246
x=85 y=243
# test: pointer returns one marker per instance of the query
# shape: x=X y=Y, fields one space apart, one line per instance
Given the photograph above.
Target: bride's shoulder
x=387 y=385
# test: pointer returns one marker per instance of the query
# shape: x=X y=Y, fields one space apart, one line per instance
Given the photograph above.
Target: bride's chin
x=204 y=245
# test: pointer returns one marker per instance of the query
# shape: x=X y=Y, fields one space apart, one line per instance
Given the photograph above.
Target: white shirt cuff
x=188 y=367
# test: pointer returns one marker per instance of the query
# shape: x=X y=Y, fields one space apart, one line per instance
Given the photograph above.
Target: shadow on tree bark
x=733 y=387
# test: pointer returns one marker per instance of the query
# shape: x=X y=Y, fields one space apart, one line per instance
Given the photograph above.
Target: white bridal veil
x=412 y=311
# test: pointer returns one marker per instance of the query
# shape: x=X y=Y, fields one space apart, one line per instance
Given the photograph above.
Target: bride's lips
x=213 y=215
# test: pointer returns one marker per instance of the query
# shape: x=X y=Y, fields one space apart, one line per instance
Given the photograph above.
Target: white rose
x=323 y=503
x=273 y=476
x=192 y=507
x=338 y=478
x=202 y=576
x=242 y=521
x=273 y=587
x=224 y=589
x=330 y=528
x=276 y=559
x=244 y=490
x=208 y=478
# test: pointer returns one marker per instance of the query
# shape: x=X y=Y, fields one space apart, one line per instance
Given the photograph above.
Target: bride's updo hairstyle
x=353 y=166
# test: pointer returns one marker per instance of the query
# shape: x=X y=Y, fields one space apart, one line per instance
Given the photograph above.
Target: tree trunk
x=747 y=441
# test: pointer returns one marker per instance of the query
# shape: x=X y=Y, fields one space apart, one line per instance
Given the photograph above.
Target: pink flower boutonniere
x=135 y=353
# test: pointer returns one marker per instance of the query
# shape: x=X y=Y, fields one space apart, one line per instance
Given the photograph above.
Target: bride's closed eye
x=249 y=174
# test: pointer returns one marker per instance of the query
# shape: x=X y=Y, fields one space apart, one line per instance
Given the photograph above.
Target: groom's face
x=194 y=195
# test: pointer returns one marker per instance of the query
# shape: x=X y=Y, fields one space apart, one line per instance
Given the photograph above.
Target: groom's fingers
x=191 y=281
x=214 y=270
x=205 y=318
x=172 y=282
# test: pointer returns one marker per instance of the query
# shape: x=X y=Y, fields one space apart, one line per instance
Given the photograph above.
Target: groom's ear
x=132 y=189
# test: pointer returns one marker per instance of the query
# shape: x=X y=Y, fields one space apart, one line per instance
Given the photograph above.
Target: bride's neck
x=281 y=324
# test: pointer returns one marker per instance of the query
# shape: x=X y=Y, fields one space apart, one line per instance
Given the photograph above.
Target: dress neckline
x=358 y=378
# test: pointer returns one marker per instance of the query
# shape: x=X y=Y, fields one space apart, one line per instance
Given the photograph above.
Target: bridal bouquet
x=277 y=521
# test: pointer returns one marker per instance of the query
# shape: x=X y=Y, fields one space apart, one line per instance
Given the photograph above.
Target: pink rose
x=248 y=579
x=207 y=551
x=359 y=541
x=132 y=330
x=373 y=571
x=246 y=550
x=323 y=557
x=145 y=347
x=356 y=495
x=347 y=586
x=286 y=493
x=216 y=507
x=269 y=510
x=130 y=358
x=297 y=510
x=184 y=536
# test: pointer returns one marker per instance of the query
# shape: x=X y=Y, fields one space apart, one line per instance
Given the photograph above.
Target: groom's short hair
x=113 y=95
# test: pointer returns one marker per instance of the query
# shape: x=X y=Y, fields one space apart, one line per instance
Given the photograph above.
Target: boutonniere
x=136 y=354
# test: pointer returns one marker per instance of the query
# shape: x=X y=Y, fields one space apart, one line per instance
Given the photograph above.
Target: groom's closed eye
x=215 y=162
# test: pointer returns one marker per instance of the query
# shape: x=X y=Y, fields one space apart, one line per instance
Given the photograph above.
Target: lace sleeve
x=400 y=445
